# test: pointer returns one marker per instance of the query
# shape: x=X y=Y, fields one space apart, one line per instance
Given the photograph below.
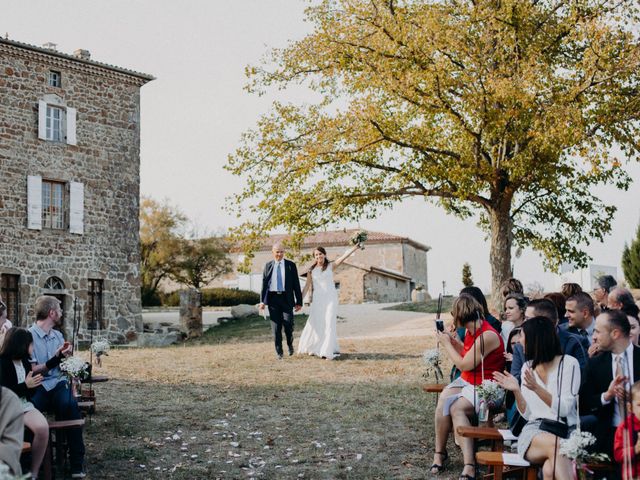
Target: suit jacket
x=570 y=344
x=292 y=291
x=600 y=375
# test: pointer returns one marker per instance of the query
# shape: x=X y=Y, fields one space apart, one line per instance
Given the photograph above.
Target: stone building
x=69 y=164
x=388 y=269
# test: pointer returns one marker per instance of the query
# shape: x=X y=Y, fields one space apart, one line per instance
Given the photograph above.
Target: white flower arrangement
x=575 y=448
x=359 y=238
x=101 y=347
x=491 y=392
x=5 y=474
x=431 y=359
x=74 y=367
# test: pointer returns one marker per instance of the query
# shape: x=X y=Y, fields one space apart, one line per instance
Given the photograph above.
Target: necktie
x=279 y=286
x=619 y=373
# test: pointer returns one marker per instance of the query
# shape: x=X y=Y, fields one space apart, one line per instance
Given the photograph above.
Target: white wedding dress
x=319 y=336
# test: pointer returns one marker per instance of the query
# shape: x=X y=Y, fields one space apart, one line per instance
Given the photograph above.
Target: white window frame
x=49 y=124
x=54 y=79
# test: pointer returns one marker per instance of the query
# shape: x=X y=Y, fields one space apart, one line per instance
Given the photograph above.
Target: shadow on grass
x=374 y=356
x=253 y=328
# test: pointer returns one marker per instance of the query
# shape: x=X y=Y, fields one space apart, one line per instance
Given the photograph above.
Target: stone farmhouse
x=70 y=169
x=388 y=269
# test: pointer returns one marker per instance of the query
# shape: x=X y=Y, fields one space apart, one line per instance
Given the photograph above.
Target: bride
x=319 y=334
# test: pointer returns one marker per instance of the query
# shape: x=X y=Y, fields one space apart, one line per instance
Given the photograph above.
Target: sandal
x=444 y=456
x=466 y=476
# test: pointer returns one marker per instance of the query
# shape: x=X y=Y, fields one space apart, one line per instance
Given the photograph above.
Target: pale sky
x=194 y=113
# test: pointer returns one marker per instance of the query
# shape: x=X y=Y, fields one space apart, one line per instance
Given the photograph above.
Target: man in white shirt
x=610 y=376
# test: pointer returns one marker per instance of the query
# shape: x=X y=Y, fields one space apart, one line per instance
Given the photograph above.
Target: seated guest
x=620 y=298
x=570 y=289
x=53 y=395
x=634 y=334
x=457 y=401
x=581 y=314
x=512 y=285
x=569 y=344
x=512 y=341
x=17 y=376
x=11 y=430
x=604 y=284
x=514 y=307
x=559 y=301
x=5 y=324
x=609 y=376
x=550 y=383
x=626 y=447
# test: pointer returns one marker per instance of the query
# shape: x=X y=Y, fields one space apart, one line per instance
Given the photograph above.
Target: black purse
x=557 y=427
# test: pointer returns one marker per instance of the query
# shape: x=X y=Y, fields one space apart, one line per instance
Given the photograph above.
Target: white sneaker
x=78 y=475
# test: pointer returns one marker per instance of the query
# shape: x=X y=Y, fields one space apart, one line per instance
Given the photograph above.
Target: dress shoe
x=279 y=356
x=291 y=351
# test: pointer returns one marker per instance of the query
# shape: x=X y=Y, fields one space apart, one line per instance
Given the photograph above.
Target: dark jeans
x=61 y=402
x=281 y=314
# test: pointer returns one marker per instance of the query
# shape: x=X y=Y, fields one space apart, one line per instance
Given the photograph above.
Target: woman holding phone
x=477 y=357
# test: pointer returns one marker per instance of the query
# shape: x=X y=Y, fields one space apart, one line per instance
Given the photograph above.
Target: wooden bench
x=96 y=379
x=496 y=461
x=434 y=387
x=57 y=445
x=483 y=433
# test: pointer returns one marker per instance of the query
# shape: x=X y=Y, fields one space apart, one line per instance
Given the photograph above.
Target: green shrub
x=226 y=297
x=216 y=297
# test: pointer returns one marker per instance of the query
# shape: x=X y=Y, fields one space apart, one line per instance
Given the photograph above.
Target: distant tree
x=631 y=261
x=199 y=261
x=161 y=226
x=506 y=109
x=467 y=278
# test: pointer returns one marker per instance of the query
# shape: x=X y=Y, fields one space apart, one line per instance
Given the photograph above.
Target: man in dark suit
x=610 y=376
x=281 y=293
x=569 y=344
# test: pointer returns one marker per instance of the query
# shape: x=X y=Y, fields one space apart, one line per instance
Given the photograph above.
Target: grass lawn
x=252 y=328
x=229 y=409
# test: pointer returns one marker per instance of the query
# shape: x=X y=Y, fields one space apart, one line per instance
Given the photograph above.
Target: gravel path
x=354 y=321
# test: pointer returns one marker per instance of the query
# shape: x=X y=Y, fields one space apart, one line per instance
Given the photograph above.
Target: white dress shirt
x=273 y=285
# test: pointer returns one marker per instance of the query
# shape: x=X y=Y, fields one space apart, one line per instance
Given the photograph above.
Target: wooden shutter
x=71 y=126
x=34 y=202
x=76 y=208
x=42 y=119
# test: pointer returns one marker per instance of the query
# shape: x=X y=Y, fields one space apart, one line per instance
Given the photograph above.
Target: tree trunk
x=500 y=254
x=191 y=312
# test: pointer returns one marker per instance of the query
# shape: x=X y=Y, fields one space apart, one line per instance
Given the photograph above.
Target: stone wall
x=383 y=289
x=105 y=161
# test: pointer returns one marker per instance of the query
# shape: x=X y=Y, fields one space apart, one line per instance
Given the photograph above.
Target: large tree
x=199 y=261
x=508 y=109
x=161 y=230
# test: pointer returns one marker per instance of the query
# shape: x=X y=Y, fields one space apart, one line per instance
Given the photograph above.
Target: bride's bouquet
x=575 y=448
x=431 y=359
x=359 y=238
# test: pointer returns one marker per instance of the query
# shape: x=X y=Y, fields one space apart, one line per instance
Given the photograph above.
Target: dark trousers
x=61 y=402
x=281 y=314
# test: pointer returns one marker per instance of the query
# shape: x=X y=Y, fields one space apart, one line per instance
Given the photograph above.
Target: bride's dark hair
x=326 y=260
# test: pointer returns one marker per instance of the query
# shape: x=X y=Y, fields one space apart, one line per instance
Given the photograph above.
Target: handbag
x=557 y=427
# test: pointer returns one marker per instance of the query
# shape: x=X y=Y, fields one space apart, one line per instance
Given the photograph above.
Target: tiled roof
x=55 y=53
x=343 y=237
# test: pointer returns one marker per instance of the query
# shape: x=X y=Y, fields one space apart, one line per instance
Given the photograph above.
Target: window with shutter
x=56 y=121
x=53 y=205
x=34 y=202
x=76 y=208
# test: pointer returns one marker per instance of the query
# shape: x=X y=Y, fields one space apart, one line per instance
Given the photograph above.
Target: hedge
x=217 y=297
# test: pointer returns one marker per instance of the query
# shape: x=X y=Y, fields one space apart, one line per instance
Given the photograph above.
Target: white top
x=627 y=371
x=20 y=373
x=507 y=326
x=273 y=285
x=565 y=402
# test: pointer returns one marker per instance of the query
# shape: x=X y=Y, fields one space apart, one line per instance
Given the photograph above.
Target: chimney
x=50 y=46
x=82 y=54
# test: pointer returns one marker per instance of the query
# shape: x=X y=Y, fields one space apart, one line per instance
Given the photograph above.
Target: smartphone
x=440 y=325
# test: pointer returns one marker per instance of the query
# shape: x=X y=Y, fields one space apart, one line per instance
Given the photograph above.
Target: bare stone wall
x=383 y=289
x=105 y=160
